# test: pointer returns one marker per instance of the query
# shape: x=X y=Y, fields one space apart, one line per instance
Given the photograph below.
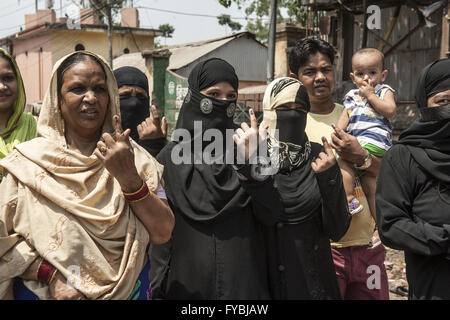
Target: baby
x=366 y=115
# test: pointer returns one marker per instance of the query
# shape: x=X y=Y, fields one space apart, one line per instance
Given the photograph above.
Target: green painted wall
x=176 y=88
x=159 y=74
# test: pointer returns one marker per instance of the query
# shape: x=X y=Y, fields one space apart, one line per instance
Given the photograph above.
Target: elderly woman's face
x=439 y=99
x=84 y=98
x=8 y=86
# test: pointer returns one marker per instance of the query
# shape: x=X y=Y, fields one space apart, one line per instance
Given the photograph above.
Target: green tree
x=225 y=20
x=167 y=30
x=257 y=14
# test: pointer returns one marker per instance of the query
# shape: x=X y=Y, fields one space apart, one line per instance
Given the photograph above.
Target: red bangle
x=46 y=272
x=138 y=195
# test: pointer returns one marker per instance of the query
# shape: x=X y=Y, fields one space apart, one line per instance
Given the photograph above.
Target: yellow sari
x=66 y=207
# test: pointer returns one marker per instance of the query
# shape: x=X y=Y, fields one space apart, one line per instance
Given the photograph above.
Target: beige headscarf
x=66 y=207
x=279 y=92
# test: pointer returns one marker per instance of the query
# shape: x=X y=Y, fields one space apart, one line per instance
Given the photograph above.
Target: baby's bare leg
x=348 y=178
x=369 y=184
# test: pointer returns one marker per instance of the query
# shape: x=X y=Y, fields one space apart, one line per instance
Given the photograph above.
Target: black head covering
x=133 y=110
x=213 y=113
x=204 y=192
x=428 y=138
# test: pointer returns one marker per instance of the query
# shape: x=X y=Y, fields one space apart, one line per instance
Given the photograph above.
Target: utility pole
x=271 y=42
x=36 y=5
x=110 y=26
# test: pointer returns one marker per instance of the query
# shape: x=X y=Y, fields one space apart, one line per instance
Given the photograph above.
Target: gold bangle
x=136 y=192
x=39 y=266
x=53 y=276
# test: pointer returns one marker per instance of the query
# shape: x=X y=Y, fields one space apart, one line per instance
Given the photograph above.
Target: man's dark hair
x=304 y=48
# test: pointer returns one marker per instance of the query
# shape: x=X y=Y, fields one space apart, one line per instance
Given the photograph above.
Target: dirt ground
x=395 y=268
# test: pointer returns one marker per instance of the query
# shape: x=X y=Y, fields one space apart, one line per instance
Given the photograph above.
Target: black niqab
x=133 y=110
x=213 y=113
x=428 y=138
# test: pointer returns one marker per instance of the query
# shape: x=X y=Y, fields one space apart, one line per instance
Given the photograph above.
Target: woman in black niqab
x=413 y=189
x=216 y=248
x=133 y=108
x=314 y=203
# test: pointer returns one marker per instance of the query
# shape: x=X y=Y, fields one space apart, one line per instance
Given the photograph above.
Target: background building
x=170 y=67
x=46 y=39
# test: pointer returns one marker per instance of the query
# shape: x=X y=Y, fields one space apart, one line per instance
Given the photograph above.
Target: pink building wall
x=34 y=59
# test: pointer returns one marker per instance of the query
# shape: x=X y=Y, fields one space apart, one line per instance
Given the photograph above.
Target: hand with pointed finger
x=118 y=157
x=247 y=138
x=324 y=160
x=347 y=146
x=152 y=127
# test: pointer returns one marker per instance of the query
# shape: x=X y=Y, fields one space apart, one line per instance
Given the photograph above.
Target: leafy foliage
x=257 y=14
x=167 y=30
x=225 y=20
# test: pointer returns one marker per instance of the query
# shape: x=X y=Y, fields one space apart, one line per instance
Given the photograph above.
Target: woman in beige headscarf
x=68 y=198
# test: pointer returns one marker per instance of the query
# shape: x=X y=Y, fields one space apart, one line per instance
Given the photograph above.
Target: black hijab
x=295 y=181
x=204 y=192
x=212 y=112
x=133 y=110
x=428 y=138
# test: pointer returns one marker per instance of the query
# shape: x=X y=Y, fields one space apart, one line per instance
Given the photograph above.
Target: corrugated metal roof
x=182 y=56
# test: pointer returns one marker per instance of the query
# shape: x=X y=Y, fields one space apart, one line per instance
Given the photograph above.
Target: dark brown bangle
x=46 y=272
x=139 y=195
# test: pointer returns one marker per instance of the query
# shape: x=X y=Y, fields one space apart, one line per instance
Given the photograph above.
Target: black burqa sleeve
x=335 y=216
x=397 y=226
x=153 y=146
x=266 y=202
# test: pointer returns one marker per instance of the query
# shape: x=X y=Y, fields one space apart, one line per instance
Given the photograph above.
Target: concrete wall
x=64 y=42
x=286 y=36
x=36 y=64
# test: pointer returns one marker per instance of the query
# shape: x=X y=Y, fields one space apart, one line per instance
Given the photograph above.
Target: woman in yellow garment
x=78 y=208
x=15 y=125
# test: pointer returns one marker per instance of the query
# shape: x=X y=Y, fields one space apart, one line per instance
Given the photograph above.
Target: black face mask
x=437 y=113
x=291 y=125
x=133 y=111
x=293 y=143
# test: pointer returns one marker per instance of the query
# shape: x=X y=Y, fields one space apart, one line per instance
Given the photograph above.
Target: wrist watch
x=367 y=162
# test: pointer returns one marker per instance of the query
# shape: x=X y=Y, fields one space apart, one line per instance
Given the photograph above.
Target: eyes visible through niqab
x=220 y=91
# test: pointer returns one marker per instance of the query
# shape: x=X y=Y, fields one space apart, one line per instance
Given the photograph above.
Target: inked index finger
x=155 y=115
x=339 y=132
x=253 y=121
x=117 y=125
x=327 y=147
